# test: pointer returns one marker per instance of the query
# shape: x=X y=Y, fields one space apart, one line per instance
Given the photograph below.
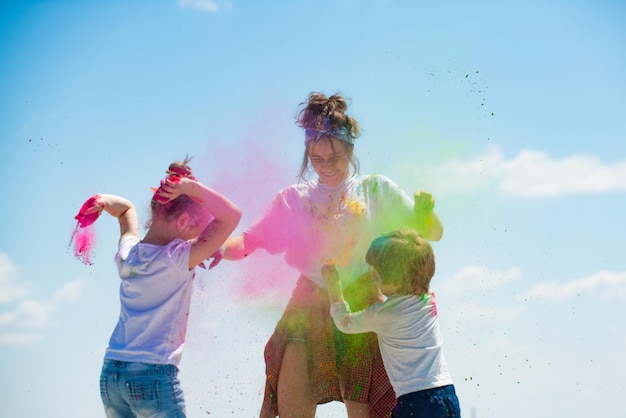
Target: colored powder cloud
x=84 y=239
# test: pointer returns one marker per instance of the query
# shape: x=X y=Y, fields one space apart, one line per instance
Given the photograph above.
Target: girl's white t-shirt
x=155 y=298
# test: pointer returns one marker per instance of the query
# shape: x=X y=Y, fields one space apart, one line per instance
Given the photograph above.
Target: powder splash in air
x=84 y=240
x=84 y=235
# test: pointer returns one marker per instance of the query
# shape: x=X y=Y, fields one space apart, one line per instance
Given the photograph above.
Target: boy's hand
x=330 y=274
x=331 y=277
x=424 y=202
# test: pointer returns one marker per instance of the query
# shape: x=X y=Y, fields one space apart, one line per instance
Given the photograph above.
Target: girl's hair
x=180 y=205
x=319 y=112
x=403 y=258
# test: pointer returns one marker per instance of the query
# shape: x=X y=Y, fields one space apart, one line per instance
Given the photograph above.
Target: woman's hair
x=403 y=258
x=321 y=112
x=180 y=205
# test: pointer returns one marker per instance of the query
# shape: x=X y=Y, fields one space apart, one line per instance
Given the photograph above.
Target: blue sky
x=510 y=113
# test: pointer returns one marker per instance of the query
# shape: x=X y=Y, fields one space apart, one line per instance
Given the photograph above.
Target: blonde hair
x=405 y=259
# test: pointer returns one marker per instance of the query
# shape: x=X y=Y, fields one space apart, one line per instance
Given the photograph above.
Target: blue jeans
x=430 y=403
x=133 y=390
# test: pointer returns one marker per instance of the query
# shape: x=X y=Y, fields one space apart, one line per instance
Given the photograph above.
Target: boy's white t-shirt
x=408 y=334
x=155 y=298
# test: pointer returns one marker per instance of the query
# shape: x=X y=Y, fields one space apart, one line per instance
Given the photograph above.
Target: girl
x=139 y=374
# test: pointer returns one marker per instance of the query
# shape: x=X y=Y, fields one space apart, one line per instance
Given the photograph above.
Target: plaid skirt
x=355 y=358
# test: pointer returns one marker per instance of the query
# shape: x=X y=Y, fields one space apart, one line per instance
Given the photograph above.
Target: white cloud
x=18 y=338
x=70 y=292
x=10 y=289
x=23 y=315
x=534 y=174
x=28 y=314
x=530 y=174
x=472 y=294
x=476 y=279
x=31 y=313
x=475 y=312
x=603 y=284
x=211 y=6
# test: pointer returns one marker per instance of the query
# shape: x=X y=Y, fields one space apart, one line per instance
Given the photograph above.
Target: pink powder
x=250 y=176
x=265 y=276
x=84 y=240
x=87 y=219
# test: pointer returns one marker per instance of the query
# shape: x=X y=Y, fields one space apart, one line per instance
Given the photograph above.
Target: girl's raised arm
x=226 y=217
x=117 y=206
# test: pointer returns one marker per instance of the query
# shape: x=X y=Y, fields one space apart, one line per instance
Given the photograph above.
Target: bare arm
x=333 y=284
x=226 y=216
x=345 y=321
x=119 y=207
x=237 y=248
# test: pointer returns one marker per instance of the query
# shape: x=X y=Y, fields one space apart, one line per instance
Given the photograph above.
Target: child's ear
x=183 y=222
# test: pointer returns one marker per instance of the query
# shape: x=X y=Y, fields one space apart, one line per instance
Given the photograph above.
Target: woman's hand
x=425 y=220
x=424 y=203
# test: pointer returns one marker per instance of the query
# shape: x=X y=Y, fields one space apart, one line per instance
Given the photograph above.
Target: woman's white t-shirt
x=313 y=223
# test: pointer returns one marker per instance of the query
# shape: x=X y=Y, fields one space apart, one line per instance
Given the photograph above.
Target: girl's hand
x=172 y=187
x=424 y=203
x=90 y=211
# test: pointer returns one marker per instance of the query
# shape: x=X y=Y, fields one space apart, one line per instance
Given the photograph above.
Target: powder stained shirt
x=155 y=297
x=313 y=223
x=409 y=338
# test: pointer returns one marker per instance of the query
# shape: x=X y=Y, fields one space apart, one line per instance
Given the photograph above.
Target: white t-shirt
x=313 y=223
x=408 y=334
x=155 y=296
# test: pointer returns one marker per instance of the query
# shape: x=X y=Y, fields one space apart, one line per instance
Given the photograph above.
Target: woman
x=329 y=219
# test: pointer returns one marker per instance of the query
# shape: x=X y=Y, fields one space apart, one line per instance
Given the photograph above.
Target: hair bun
x=179 y=169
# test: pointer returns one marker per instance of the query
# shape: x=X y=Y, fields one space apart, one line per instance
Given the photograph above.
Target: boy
x=406 y=324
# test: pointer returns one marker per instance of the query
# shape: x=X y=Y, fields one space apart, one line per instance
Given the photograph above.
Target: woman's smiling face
x=330 y=161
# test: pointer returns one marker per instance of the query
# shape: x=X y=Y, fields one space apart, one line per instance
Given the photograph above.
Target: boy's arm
x=347 y=322
x=333 y=285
